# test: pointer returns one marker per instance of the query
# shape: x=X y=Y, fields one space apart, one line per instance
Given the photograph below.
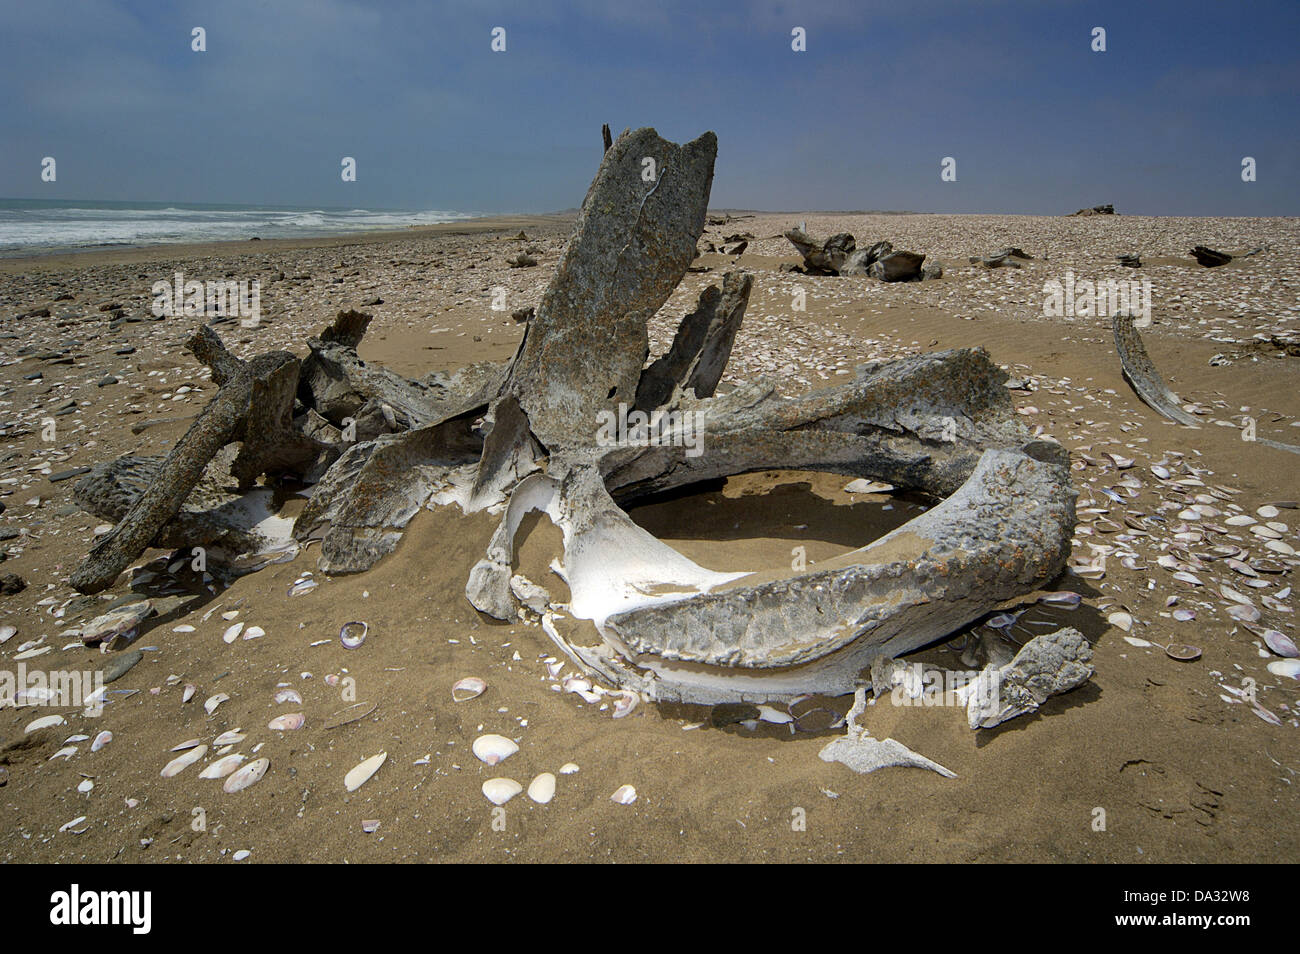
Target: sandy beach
x=1182 y=763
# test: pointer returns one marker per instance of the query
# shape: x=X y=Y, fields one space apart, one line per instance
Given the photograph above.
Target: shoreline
x=57 y=259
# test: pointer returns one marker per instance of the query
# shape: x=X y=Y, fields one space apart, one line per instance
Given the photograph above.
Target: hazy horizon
x=1036 y=120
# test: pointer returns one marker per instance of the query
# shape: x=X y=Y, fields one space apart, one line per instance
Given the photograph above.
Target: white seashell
x=542 y=789
x=250 y=774
x=775 y=716
x=353 y=634
x=492 y=749
x=362 y=773
x=1268 y=511
x=183 y=628
x=213 y=701
x=1134 y=641
x=254 y=632
x=1240 y=520
x=288 y=695
x=468 y=688
x=67 y=752
x=863 y=486
x=1121 y=620
x=73 y=824
x=1231 y=594
x=85 y=786
x=625 y=702
x=232 y=634
x=45 y=722
x=1248 y=614
x=183 y=761
x=568 y=768
x=188 y=693
x=241 y=854
x=1061 y=598
x=370 y=825
x=7 y=633
x=229 y=738
x=287 y=722
x=625 y=795
x=189 y=744
x=223 y=766
x=1285 y=667
x=498 y=791
x=101 y=740
x=1183 y=615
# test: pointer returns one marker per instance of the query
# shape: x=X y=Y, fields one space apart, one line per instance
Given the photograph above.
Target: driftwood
x=578 y=425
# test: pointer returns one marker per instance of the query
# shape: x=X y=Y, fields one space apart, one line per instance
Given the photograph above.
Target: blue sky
x=1037 y=121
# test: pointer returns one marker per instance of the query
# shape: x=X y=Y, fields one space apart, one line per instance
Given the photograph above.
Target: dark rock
x=120 y=665
x=1129 y=260
x=66 y=474
x=12 y=583
x=1209 y=258
x=1097 y=210
x=373 y=301
x=736 y=249
x=105 y=381
x=522 y=260
x=522 y=314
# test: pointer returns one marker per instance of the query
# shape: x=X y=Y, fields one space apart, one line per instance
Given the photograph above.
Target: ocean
x=29 y=226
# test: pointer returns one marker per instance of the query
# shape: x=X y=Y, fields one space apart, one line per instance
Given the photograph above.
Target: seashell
x=1279 y=546
x=542 y=788
x=370 y=825
x=1123 y=463
x=362 y=773
x=7 y=633
x=232 y=634
x=183 y=761
x=299 y=587
x=1185 y=577
x=1285 y=667
x=250 y=774
x=492 y=749
x=183 y=628
x=1062 y=598
x=625 y=702
x=1265 y=714
x=85 y=786
x=288 y=695
x=1265 y=531
x=624 y=795
x=213 y=701
x=70 y=826
x=1240 y=520
x=287 y=722
x=568 y=768
x=241 y=854
x=864 y=486
x=67 y=752
x=350 y=714
x=1139 y=643
x=1243 y=612
x=188 y=744
x=1280 y=643
x=1183 y=615
x=498 y=791
x=1268 y=511
x=188 y=693
x=1161 y=471
x=254 y=632
x=223 y=766
x=229 y=738
x=45 y=722
x=1231 y=594
x=101 y=740
x=1182 y=652
x=1121 y=620
x=1245 y=569
x=468 y=688
x=353 y=634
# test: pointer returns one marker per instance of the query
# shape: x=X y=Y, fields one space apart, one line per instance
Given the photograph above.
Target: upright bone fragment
x=1046 y=666
x=1142 y=374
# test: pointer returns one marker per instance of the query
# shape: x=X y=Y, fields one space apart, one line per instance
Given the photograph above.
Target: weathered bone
x=1142 y=374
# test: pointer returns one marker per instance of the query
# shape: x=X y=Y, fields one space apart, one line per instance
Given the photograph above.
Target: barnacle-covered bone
x=219 y=423
x=271 y=443
x=1142 y=374
x=701 y=347
x=1045 y=666
x=584 y=349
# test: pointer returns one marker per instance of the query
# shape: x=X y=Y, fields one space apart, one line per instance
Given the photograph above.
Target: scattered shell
x=1248 y=614
x=241 y=854
x=44 y=722
x=1063 y=598
x=625 y=702
x=288 y=695
x=1268 y=511
x=213 y=701
x=232 y=634
x=85 y=786
x=67 y=752
x=7 y=633
x=1182 y=652
x=183 y=761
x=254 y=632
x=353 y=634
x=498 y=791
x=568 y=768
x=542 y=789
x=250 y=774
x=229 y=738
x=1121 y=620
x=287 y=722
x=101 y=740
x=370 y=825
x=1285 y=667
x=625 y=795
x=1280 y=643
x=1135 y=641
x=73 y=824
x=223 y=766
x=350 y=714
x=362 y=773
x=492 y=749
x=188 y=693
x=468 y=688
x=1183 y=615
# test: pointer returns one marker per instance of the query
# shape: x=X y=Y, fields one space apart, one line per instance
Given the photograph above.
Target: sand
x=1181 y=769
